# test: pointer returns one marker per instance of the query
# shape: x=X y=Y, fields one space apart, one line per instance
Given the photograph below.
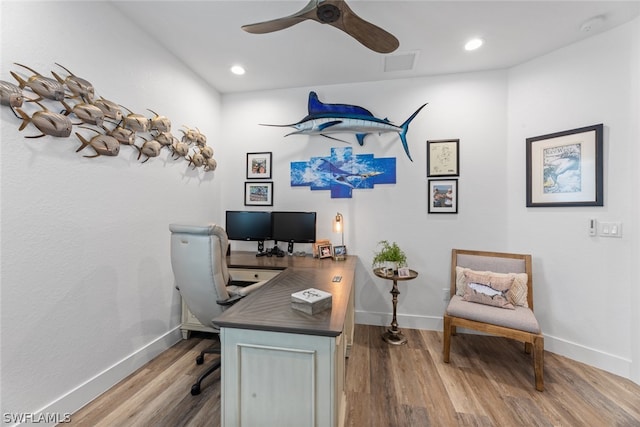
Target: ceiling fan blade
x=368 y=34
x=307 y=12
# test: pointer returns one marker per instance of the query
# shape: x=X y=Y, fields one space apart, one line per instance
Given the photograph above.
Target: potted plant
x=389 y=257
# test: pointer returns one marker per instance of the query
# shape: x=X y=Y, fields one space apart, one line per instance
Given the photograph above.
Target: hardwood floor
x=489 y=382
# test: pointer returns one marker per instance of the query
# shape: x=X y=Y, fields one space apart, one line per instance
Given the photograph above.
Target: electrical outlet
x=445 y=294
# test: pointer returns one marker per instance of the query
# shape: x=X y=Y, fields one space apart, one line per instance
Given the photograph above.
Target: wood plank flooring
x=489 y=382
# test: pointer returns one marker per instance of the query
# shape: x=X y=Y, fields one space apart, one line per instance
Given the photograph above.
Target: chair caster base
x=195 y=389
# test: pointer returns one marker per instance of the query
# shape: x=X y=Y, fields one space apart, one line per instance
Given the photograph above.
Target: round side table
x=393 y=335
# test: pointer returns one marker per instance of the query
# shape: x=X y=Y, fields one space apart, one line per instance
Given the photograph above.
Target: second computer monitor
x=293 y=227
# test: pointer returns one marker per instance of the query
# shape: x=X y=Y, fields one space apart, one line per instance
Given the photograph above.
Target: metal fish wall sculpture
x=110 y=128
x=324 y=119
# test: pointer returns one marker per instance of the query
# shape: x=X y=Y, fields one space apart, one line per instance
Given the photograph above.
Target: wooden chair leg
x=538 y=362
x=446 y=341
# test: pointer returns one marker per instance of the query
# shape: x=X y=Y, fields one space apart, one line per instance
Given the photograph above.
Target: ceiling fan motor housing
x=328 y=13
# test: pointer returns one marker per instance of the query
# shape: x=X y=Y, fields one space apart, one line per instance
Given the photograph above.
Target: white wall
x=471 y=107
x=87 y=290
x=583 y=283
x=586 y=289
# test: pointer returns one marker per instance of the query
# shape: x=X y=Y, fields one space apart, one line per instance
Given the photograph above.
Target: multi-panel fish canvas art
x=342 y=172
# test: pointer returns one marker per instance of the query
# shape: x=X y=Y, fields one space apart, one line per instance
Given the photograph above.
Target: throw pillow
x=489 y=289
x=519 y=290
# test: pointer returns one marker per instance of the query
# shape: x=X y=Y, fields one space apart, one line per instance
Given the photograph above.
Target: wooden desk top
x=269 y=307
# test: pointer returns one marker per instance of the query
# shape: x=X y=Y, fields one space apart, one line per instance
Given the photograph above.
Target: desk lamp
x=338 y=225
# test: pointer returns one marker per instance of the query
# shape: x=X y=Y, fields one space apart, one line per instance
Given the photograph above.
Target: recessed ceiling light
x=473 y=44
x=238 y=70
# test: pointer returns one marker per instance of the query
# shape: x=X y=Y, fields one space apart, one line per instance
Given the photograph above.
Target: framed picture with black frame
x=443 y=196
x=259 y=165
x=443 y=157
x=565 y=168
x=258 y=193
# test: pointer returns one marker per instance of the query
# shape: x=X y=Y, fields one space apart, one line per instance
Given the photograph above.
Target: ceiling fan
x=337 y=14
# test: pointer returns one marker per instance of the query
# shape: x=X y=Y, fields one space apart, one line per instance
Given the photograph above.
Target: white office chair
x=198 y=260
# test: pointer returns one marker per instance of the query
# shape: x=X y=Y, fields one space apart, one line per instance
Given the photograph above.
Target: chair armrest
x=230 y=301
x=246 y=290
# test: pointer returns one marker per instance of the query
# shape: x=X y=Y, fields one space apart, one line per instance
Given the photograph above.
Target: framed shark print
x=565 y=168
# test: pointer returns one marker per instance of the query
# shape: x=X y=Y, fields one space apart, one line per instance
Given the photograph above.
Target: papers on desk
x=311 y=301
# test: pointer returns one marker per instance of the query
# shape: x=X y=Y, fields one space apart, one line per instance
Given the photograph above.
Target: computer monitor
x=249 y=226
x=293 y=227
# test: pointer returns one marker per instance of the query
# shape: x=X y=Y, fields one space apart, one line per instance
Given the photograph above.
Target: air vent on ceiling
x=400 y=62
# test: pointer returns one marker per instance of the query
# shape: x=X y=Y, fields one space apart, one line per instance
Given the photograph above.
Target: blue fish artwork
x=324 y=119
x=342 y=172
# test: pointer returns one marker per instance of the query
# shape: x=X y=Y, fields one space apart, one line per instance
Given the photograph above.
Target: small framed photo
x=443 y=196
x=317 y=244
x=339 y=252
x=443 y=157
x=258 y=193
x=565 y=168
x=404 y=272
x=324 y=251
x=259 y=165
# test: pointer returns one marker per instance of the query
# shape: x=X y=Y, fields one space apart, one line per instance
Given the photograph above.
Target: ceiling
x=207 y=37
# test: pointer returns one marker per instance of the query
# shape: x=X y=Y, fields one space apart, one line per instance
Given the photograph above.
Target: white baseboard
x=607 y=362
x=94 y=387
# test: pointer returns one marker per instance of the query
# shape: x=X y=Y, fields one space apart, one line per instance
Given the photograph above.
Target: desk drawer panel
x=250 y=274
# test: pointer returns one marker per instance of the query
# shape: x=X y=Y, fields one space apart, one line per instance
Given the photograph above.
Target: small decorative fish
x=109 y=108
x=210 y=165
x=123 y=135
x=159 y=123
x=78 y=86
x=179 y=149
x=196 y=160
x=206 y=151
x=190 y=135
x=135 y=122
x=47 y=122
x=104 y=145
x=10 y=95
x=165 y=138
x=150 y=149
x=44 y=87
x=88 y=113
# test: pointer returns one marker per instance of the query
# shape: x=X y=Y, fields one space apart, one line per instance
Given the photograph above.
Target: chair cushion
x=517 y=294
x=521 y=318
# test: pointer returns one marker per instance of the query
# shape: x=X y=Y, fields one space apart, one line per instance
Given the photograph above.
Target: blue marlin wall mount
x=324 y=119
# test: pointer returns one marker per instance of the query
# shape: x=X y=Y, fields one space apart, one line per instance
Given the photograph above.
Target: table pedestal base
x=394 y=337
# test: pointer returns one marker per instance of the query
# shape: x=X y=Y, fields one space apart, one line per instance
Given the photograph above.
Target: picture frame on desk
x=258 y=193
x=324 y=251
x=316 y=246
x=259 y=165
x=339 y=252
